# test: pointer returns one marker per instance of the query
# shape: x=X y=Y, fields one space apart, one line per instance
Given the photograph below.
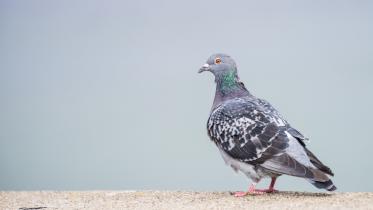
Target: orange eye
x=217 y=60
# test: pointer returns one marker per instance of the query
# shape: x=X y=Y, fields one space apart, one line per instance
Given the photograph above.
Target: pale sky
x=106 y=95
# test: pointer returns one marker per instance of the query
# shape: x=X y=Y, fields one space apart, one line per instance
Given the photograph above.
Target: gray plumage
x=252 y=136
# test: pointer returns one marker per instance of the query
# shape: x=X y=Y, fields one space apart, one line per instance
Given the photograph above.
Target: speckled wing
x=252 y=132
x=267 y=107
x=246 y=130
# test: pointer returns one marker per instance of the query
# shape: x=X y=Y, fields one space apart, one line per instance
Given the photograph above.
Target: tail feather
x=316 y=162
x=285 y=164
x=321 y=180
x=327 y=185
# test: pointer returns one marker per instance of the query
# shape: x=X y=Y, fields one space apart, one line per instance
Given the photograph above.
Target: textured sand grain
x=181 y=200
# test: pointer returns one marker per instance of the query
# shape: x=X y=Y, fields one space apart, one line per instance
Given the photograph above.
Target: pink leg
x=254 y=191
x=271 y=188
x=251 y=191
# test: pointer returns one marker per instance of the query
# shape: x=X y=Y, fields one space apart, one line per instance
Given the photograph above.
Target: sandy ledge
x=180 y=200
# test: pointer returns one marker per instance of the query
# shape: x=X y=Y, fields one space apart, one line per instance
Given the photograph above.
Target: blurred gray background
x=100 y=95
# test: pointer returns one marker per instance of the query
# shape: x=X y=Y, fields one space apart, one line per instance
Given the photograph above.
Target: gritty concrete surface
x=180 y=200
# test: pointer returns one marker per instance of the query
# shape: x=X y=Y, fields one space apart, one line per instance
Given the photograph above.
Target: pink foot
x=253 y=191
x=250 y=192
x=240 y=194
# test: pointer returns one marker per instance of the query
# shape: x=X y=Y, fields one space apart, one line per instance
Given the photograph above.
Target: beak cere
x=205 y=67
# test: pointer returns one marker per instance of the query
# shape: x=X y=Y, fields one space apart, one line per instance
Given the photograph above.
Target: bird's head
x=220 y=65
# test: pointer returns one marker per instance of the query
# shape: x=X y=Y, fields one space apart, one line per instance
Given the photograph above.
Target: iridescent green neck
x=228 y=81
x=228 y=87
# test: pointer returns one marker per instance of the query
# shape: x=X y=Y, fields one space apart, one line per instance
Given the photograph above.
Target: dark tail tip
x=328 y=185
x=332 y=188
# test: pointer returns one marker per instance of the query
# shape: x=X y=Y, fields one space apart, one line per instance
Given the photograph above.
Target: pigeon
x=253 y=137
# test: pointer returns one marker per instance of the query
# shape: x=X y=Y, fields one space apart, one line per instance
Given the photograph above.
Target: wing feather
x=255 y=133
x=246 y=132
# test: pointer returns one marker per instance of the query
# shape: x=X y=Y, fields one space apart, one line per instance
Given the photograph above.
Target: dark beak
x=205 y=67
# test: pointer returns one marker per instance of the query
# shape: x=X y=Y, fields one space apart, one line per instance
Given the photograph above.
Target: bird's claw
x=240 y=194
x=251 y=192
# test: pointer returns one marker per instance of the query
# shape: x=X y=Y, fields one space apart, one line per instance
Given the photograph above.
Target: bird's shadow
x=296 y=194
x=303 y=194
x=32 y=208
